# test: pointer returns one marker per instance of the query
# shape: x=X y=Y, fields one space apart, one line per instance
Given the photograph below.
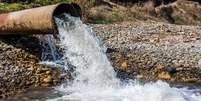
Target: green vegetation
x=48 y=2
x=11 y=7
x=102 y=19
x=42 y=2
x=14 y=5
x=179 y=20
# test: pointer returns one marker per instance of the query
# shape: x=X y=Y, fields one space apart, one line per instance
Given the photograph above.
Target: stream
x=94 y=79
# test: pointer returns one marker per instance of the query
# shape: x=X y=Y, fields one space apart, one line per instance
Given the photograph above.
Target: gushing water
x=94 y=77
x=83 y=51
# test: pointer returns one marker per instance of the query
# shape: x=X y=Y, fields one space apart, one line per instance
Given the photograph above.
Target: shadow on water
x=36 y=94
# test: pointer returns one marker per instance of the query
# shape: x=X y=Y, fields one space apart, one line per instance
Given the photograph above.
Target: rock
x=179 y=69
x=139 y=76
x=199 y=63
x=110 y=50
x=47 y=72
x=30 y=68
x=171 y=69
x=160 y=67
x=48 y=79
x=39 y=69
x=44 y=69
x=181 y=61
x=46 y=84
x=164 y=75
x=192 y=80
x=124 y=66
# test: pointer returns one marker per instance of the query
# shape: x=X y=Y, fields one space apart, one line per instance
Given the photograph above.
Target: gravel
x=19 y=68
x=149 y=45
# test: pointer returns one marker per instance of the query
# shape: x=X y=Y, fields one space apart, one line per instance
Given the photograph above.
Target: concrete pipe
x=36 y=20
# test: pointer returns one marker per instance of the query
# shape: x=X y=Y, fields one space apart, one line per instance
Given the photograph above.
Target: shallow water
x=94 y=77
x=42 y=94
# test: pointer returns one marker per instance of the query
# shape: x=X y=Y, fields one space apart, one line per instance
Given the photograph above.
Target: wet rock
x=30 y=68
x=47 y=72
x=48 y=79
x=110 y=50
x=164 y=75
x=192 y=80
x=44 y=69
x=124 y=66
x=139 y=77
x=171 y=69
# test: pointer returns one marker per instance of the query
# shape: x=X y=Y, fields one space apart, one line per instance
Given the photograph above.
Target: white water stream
x=94 y=77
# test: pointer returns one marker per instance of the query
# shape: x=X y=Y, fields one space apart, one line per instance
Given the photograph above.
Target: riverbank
x=98 y=78
x=137 y=50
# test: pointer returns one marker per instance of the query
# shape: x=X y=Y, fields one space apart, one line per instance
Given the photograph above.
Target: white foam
x=159 y=91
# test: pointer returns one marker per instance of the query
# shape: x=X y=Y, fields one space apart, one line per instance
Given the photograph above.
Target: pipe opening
x=72 y=9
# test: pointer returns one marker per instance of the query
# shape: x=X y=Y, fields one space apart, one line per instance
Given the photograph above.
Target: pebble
x=124 y=66
x=199 y=63
x=48 y=79
x=164 y=75
x=47 y=72
x=171 y=69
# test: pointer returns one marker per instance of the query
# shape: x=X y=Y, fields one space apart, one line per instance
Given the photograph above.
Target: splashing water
x=94 y=77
